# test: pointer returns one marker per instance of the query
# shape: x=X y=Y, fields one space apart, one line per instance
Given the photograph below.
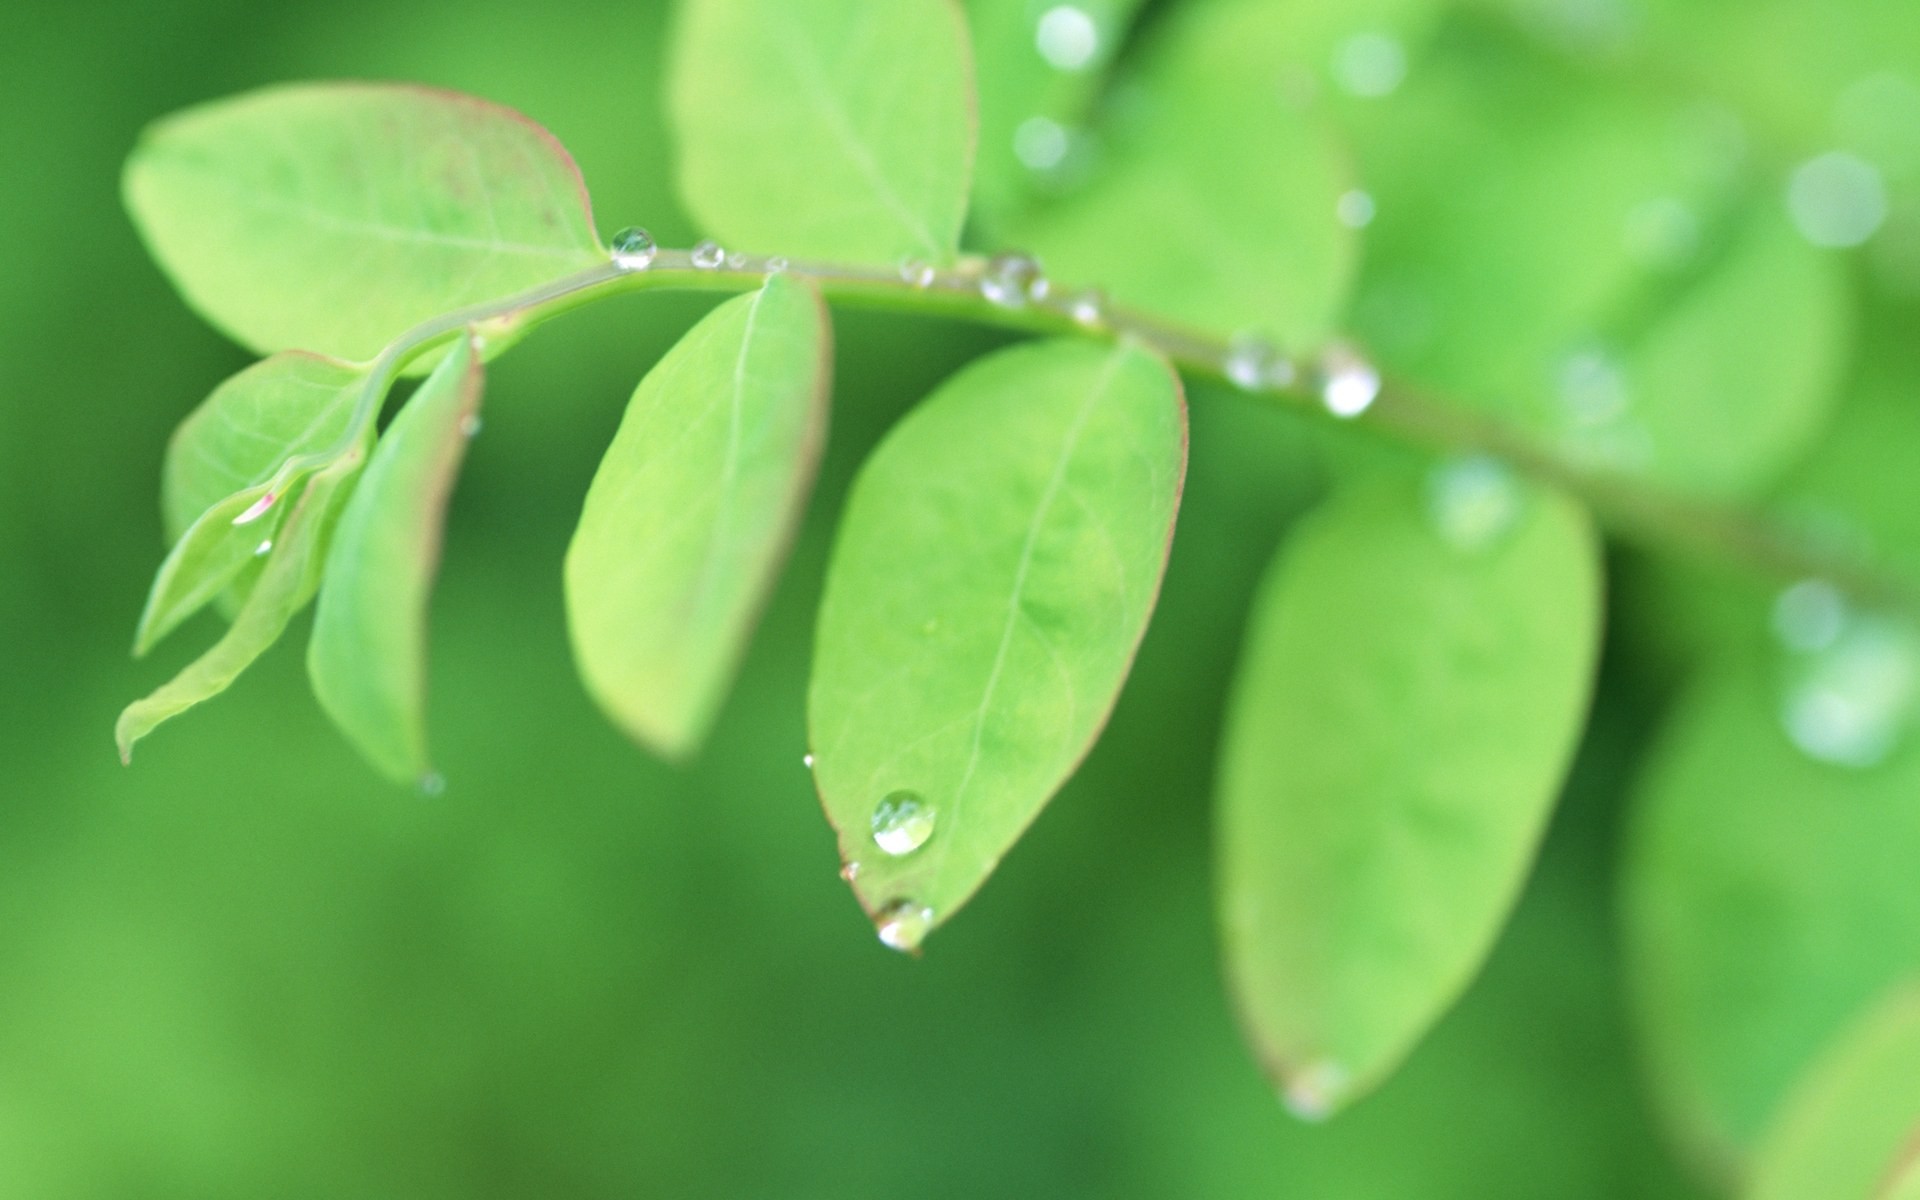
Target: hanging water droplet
x=1247 y=362
x=777 y=264
x=919 y=274
x=736 y=261
x=257 y=509
x=1473 y=502
x=1850 y=703
x=902 y=823
x=903 y=925
x=708 y=255
x=1349 y=384
x=1354 y=209
x=470 y=425
x=432 y=784
x=1313 y=1092
x=633 y=249
x=850 y=871
x=1009 y=279
x=1088 y=308
x=1810 y=615
x=263 y=549
x=806 y=760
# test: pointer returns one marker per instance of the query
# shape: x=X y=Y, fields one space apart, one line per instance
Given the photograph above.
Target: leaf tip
x=1316 y=1091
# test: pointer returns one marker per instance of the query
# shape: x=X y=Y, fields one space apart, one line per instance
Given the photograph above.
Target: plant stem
x=1631 y=507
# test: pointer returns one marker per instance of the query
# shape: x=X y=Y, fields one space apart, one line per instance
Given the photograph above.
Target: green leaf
x=291 y=574
x=1769 y=898
x=834 y=129
x=691 y=511
x=1216 y=206
x=1852 y=1126
x=217 y=467
x=368 y=656
x=1413 y=687
x=334 y=217
x=995 y=569
x=1905 y=1183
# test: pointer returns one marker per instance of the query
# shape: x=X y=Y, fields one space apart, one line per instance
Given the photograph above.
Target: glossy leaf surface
x=993 y=573
x=836 y=129
x=691 y=511
x=1404 y=713
x=369 y=649
x=333 y=217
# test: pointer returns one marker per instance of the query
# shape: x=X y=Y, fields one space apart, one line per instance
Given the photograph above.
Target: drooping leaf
x=1851 y=1128
x=291 y=574
x=334 y=217
x=689 y=515
x=369 y=649
x=994 y=571
x=1412 y=690
x=1769 y=899
x=1217 y=202
x=834 y=129
x=218 y=464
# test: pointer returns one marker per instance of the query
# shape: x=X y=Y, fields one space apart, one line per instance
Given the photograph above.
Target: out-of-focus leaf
x=217 y=467
x=334 y=217
x=1642 y=290
x=1413 y=687
x=689 y=516
x=1849 y=1128
x=836 y=129
x=1769 y=898
x=369 y=649
x=1216 y=204
x=288 y=581
x=993 y=574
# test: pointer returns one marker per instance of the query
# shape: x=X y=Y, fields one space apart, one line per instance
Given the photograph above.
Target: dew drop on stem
x=1349 y=384
x=633 y=249
x=1011 y=279
x=708 y=255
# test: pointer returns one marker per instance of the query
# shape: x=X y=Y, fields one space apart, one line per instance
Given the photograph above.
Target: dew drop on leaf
x=1349 y=384
x=708 y=255
x=850 y=871
x=263 y=549
x=903 y=924
x=1473 y=502
x=902 y=823
x=806 y=760
x=633 y=249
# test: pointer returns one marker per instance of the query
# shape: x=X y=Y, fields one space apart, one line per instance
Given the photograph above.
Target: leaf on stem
x=1000 y=554
x=692 y=509
x=333 y=217
x=287 y=582
x=368 y=656
x=833 y=129
x=1851 y=1128
x=1415 y=679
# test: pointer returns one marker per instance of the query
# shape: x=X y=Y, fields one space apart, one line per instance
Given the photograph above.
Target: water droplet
x=263 y=549
x=470 y=425
x=902 y=823
x=1313 y=1092
x=1810 y=615
x=1837 y=200
x=1473 y=502
x=1067 y=38
x=1850 y=702
x=777 y=264
x=1349 y=384
x=1009 y=279
x=806 y=760
x=736 y=261
x=850 y=871
x=1041 y=143
x=432 y=784
x=903 y=925
x=708 y=255
x=633 y=249
x=1370 y=65
x=1248 y=360
x=1592 y=387
x=1355 y=209
x=257 y=509
x=1089 y=307
x=919 y=274
x=1662 y=234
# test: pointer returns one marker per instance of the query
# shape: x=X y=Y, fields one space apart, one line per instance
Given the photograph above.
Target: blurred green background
x=245 y=967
